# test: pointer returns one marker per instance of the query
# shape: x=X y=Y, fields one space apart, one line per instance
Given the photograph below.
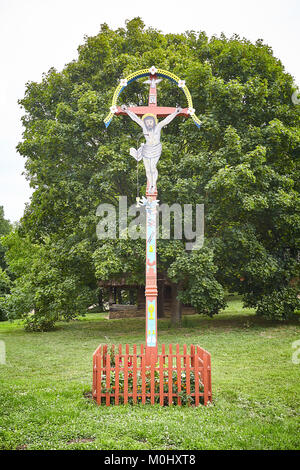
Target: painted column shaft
x=152 y=102
x=151 y=281
x=151 y=271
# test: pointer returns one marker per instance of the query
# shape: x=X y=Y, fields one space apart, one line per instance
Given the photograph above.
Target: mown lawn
x=255 y=387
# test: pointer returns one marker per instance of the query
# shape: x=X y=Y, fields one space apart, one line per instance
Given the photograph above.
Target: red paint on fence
x=177 y=378
x=134 y=376
x=143 y=379
x=188 y=375
x=126 y=377
x=107 y=380
x=117 y=383
x=161 y=380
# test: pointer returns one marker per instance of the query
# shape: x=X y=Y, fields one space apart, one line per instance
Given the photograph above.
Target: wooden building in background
x=127 y=299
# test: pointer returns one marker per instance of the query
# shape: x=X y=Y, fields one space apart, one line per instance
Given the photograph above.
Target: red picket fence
x=177 y=378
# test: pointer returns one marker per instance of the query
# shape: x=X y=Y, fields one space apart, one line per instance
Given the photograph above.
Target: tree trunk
x=100 y=299
x=141 y=297
x=131 y=297
x=111 y=296
x=160 y=299
x=119 y=296
x=176 y=306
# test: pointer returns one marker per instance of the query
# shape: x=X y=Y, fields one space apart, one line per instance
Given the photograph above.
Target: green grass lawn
x=255 y=387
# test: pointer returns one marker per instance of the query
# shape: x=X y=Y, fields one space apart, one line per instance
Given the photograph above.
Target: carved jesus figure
x=150 y=152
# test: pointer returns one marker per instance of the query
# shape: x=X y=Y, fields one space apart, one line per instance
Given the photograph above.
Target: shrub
x=279 y=305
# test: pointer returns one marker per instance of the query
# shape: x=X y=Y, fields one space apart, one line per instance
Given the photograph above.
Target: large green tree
x=243 y=164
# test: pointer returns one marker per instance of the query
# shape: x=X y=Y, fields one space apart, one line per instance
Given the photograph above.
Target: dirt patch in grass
x=83 y=439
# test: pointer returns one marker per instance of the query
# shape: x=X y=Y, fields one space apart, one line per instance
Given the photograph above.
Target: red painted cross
x=151 y=268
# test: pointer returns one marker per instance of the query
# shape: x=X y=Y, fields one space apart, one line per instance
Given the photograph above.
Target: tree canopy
x=243 y=165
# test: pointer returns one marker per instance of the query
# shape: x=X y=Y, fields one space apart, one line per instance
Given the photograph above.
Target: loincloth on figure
x=151 y=151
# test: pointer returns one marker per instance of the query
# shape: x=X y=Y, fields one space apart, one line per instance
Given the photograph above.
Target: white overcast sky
x=38 y=34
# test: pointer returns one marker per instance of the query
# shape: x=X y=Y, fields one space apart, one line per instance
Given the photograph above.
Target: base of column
x=151 y=355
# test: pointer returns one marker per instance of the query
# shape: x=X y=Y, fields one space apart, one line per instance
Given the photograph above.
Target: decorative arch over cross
x=159 y=111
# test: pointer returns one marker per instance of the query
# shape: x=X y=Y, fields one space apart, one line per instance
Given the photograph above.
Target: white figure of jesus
x=150 y=152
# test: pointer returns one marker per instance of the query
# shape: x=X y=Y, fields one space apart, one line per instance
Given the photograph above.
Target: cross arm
x=159 y=111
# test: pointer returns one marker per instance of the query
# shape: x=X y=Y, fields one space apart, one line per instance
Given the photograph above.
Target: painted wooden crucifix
x=150 y=152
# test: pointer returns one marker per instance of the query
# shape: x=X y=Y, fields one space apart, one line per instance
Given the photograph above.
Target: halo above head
x=150 y=115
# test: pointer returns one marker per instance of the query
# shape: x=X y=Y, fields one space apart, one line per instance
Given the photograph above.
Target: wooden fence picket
x=143 y=379
x=96 y=385
x=134 y=378
x=161 y=380
x=205 y=378
x=94 y=389
x=209 y=377
x=188 y=376
x=196 y=375
x=152 y=383
x=170 y=377
x=178 y=361
x=126 y=379
x=117 y=377
x=99 y=377
x=107 y=380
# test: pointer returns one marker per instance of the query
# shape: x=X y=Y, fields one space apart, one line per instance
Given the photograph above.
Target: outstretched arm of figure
x=169 y=118
x=133 y=116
